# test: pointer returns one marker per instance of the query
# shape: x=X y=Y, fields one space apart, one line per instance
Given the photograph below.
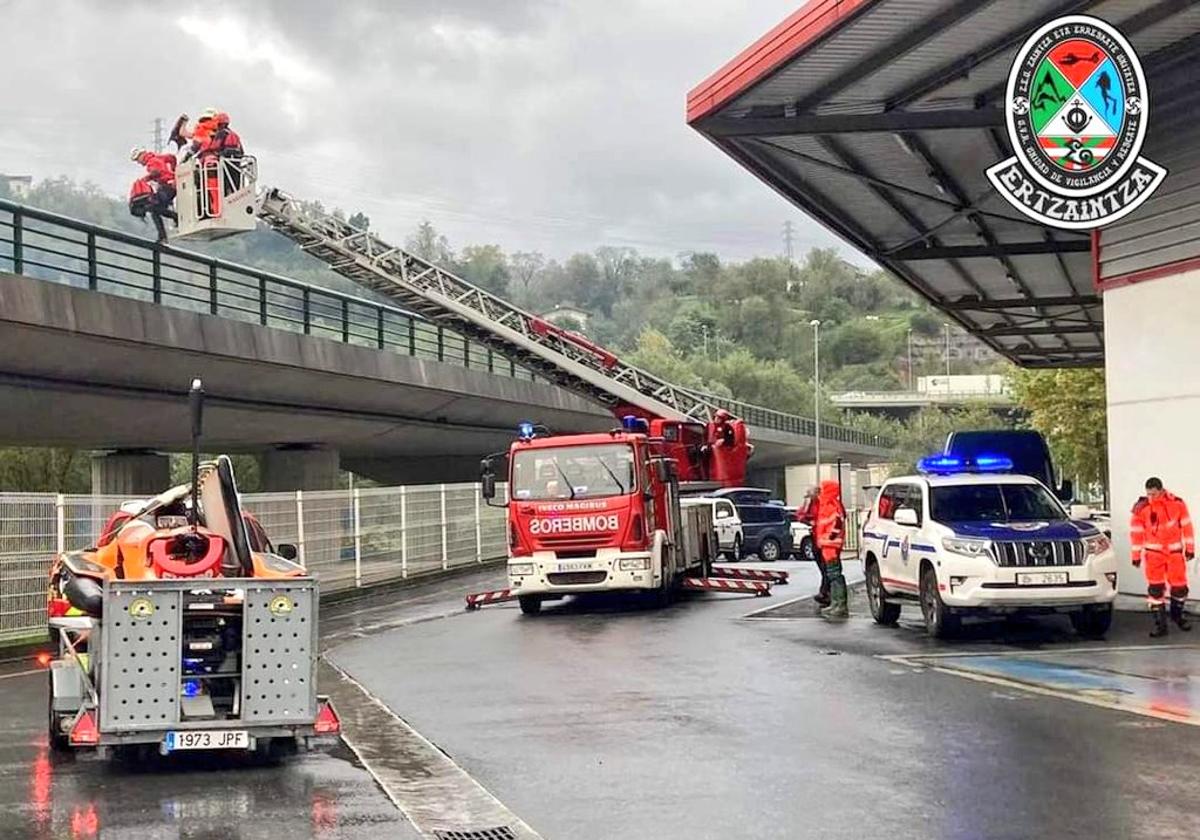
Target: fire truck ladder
x=563 y=357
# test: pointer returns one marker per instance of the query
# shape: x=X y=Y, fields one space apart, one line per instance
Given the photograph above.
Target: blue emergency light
x=191 y=688
x=633 y=423
x=525 y=430
x=953 y=464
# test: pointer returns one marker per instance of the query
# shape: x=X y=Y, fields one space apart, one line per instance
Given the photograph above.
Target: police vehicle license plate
x=208 y=739
x=575 y=567
x=1041 y=578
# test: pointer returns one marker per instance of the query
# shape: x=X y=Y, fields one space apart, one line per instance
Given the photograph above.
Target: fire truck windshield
x=573 y=472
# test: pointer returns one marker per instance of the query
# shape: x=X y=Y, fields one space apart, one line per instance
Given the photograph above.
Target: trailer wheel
x=530 y=604
x=58 y=741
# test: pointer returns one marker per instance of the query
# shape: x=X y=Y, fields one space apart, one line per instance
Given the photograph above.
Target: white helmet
x=135 y=153
x=209 y=113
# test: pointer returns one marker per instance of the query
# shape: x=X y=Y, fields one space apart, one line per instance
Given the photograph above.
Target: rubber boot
x=1160 y=622
x=1178 y=617
x=838 y=608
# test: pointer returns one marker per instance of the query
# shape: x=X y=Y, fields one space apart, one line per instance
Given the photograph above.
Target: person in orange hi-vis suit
x=1161 y=534
x=830 y=535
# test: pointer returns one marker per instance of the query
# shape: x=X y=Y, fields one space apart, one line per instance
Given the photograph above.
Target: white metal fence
x=350 y=539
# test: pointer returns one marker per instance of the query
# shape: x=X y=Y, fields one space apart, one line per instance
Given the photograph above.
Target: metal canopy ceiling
x=879 y=117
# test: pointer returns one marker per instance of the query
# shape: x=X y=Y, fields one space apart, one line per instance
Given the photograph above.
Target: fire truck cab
x=597 y=513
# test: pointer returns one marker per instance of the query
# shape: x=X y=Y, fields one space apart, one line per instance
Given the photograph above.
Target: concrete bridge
x=101 y=332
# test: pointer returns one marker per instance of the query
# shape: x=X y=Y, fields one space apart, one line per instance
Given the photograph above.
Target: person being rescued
x=154 y=192
x=212 y=141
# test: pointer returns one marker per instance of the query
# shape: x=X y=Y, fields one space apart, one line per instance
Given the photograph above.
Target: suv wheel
x=939 y=621
x=808 y=550
x=1092 y=622
x=882 y=611
x=769 y=550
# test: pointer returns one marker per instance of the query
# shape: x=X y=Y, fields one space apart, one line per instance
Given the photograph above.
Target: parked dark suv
x=766 y=527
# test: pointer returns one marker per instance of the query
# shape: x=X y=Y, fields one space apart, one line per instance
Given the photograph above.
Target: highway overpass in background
x=103 y=332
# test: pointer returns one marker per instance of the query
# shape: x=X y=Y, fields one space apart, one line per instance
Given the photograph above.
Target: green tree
x=430 y=245
x=486 y=267
x=1069 y=408
x=45 y=470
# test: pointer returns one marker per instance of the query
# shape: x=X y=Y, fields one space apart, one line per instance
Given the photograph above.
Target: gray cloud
x=548 y=124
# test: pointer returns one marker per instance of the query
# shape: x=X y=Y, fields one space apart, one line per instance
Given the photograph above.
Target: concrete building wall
x=1153 y=379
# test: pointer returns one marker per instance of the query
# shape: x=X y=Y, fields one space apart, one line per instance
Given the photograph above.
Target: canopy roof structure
x=878 y=118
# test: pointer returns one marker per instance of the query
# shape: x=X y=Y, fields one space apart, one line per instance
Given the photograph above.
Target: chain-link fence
x=348 y=538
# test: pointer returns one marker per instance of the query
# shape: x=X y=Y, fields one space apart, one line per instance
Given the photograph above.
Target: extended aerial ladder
x=563 y=357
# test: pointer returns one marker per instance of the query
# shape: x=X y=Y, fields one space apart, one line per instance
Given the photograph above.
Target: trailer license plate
x=209 y=739
x=1041 y=578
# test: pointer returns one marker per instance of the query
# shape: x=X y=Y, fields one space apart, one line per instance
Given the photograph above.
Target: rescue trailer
x=181 y=629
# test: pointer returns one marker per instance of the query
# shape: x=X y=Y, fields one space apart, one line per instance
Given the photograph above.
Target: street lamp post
x=816 y=325
x=947 y=326
x=910 y=371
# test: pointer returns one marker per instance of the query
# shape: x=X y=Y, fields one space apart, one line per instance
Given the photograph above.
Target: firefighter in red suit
x=154 y=192
x=807 y=513
x=1161 y=535
x=830 y=534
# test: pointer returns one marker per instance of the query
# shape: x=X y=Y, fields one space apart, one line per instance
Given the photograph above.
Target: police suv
x=965 y=538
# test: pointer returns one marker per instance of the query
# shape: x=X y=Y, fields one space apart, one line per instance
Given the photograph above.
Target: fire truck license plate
x=209 y=739
x=1041 y=578
x=574 y=567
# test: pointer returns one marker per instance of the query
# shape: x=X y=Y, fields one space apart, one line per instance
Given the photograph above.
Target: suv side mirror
x=1067 y=491
x=908 y=517
x=287 y=551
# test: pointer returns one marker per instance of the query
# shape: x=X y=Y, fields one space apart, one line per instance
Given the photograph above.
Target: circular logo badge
x=1076 y=105
x=141 y=608
x=281 y=605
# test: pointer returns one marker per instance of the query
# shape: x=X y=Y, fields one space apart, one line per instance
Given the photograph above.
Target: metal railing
x=348 y=538
x=57 y=248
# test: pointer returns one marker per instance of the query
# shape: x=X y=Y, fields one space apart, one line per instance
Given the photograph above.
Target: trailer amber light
x=84 y=733
x=43 y=659
x=327 y=722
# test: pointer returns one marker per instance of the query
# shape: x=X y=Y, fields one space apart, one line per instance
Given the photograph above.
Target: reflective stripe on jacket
x=1163 y=525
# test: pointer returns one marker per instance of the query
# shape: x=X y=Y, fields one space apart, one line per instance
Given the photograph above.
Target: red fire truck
x=601 y=512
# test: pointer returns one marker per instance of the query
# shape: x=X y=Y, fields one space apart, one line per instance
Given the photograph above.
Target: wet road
x=694 y=723
x=602 y=721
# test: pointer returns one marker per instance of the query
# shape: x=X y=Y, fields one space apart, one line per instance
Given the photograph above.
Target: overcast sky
x=555 y=125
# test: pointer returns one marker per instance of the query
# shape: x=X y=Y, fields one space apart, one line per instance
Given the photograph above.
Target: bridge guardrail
x=349 y=538
x=60 y=249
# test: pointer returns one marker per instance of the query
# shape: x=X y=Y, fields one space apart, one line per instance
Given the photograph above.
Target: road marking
x=1098 y=686
x=422 y=781
x=905 y=658
x=22 y=673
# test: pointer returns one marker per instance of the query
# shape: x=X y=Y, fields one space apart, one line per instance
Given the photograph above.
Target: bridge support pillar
x=768 y=478
x=300 y=468
x=130 y=473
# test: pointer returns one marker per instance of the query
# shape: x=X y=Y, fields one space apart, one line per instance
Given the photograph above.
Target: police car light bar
x=952 y=464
